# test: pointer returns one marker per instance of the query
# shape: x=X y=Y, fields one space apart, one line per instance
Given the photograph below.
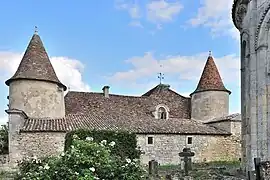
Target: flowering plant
x=84 y=160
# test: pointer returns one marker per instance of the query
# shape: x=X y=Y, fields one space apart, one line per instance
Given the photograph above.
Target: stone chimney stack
x=106 y=91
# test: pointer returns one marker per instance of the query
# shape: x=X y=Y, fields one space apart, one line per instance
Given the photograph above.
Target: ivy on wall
x=126 y=142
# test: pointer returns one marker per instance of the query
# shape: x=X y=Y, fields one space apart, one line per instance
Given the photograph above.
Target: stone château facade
x=165 y=122
x=251 y=18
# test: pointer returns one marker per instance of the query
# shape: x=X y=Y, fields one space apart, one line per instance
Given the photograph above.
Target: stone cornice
x=239 y=10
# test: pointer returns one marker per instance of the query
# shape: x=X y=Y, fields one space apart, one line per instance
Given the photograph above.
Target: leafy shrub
x=4 y=139
x=85 y=159
x=126 y=142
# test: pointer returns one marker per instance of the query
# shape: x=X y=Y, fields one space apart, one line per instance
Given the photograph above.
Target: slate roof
x=145 y=125
x=210 y=78
x=232 y=117
x=35 y=64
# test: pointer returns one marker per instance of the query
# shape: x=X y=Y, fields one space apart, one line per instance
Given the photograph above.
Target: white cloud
x=69 y=71
x=3 y=119
x=162 y=11
x=154 y=11
x=133 y=9
x=216 y=14
x=185 y=67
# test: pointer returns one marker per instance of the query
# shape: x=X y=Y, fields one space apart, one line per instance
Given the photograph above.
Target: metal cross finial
x=36 y=30
x=160 y=76
x=210 y=53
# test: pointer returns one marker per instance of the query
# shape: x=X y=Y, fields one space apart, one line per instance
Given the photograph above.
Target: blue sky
x=122 y=43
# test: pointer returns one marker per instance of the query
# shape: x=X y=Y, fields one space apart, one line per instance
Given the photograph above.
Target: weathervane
x=160 y=75
x=36 y=30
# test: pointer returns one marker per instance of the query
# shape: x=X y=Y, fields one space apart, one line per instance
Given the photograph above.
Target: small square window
x=189 y=140
x=150 y=140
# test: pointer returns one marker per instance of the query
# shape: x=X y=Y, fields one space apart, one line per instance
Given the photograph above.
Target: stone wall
x=233 y=127
x=209 y=104
x=38 y=99
x=37 y=144
x=165 y=148
x=42 y=144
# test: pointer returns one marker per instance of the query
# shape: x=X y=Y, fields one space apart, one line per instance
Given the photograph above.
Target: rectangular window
x=189 y=140
x=150 y=140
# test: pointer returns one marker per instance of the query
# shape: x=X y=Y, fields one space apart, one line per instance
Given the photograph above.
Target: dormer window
x=161 y=112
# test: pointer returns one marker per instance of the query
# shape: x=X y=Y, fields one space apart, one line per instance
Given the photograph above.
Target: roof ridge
x=35 y=64
x=132 y=96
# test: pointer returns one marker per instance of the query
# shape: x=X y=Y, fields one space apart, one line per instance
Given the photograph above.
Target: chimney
x=106 y=91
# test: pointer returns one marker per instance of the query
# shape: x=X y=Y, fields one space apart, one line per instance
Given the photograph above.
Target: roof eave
x=198 y=91
x=7 y=82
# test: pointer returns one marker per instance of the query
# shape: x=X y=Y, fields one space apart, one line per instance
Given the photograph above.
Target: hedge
x=125 y=142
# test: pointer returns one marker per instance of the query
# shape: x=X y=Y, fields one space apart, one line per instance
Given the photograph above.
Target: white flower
x=46 y=166
x=76 y=173
x=72 y=147
x=92 y=169
x=128 y=160
x=112 y=143
x=62 y=154
x=104 y=142
x=89 y=138
x=75 y=136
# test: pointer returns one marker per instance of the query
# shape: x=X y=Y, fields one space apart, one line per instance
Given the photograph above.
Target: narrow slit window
x=150 y=140
x=189 y=140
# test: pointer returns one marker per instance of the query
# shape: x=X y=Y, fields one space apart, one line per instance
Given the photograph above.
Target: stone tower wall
x=209 y=104
x=38 y=99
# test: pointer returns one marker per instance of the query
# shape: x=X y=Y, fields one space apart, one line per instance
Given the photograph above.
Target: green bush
x=85 y=159
x=126 y=143
x=4 y=139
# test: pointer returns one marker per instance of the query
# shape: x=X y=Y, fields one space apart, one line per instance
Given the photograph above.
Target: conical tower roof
x=35 y=64
x=210 y=79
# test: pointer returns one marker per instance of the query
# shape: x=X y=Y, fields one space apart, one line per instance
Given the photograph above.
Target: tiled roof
x=232 y=117
x=210 y=79
x=35 y=64
x=45 y=124
x=145 y=125
x=88 y=102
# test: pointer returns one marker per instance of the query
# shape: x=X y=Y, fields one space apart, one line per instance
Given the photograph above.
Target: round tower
x=35 y=88
x=211 y=98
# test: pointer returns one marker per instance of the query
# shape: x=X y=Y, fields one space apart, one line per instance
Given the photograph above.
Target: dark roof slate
x=145 y=125
x=210 y=78
x=35 y=64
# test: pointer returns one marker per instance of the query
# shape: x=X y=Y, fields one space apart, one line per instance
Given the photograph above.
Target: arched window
x=162 y=114
x=161 y=111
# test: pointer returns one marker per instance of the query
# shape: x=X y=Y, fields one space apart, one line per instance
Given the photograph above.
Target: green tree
x=4 y=139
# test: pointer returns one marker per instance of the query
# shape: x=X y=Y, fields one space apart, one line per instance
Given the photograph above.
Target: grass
x=207 y=171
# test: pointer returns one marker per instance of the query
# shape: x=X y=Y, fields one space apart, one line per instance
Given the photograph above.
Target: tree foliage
x=4 y=139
